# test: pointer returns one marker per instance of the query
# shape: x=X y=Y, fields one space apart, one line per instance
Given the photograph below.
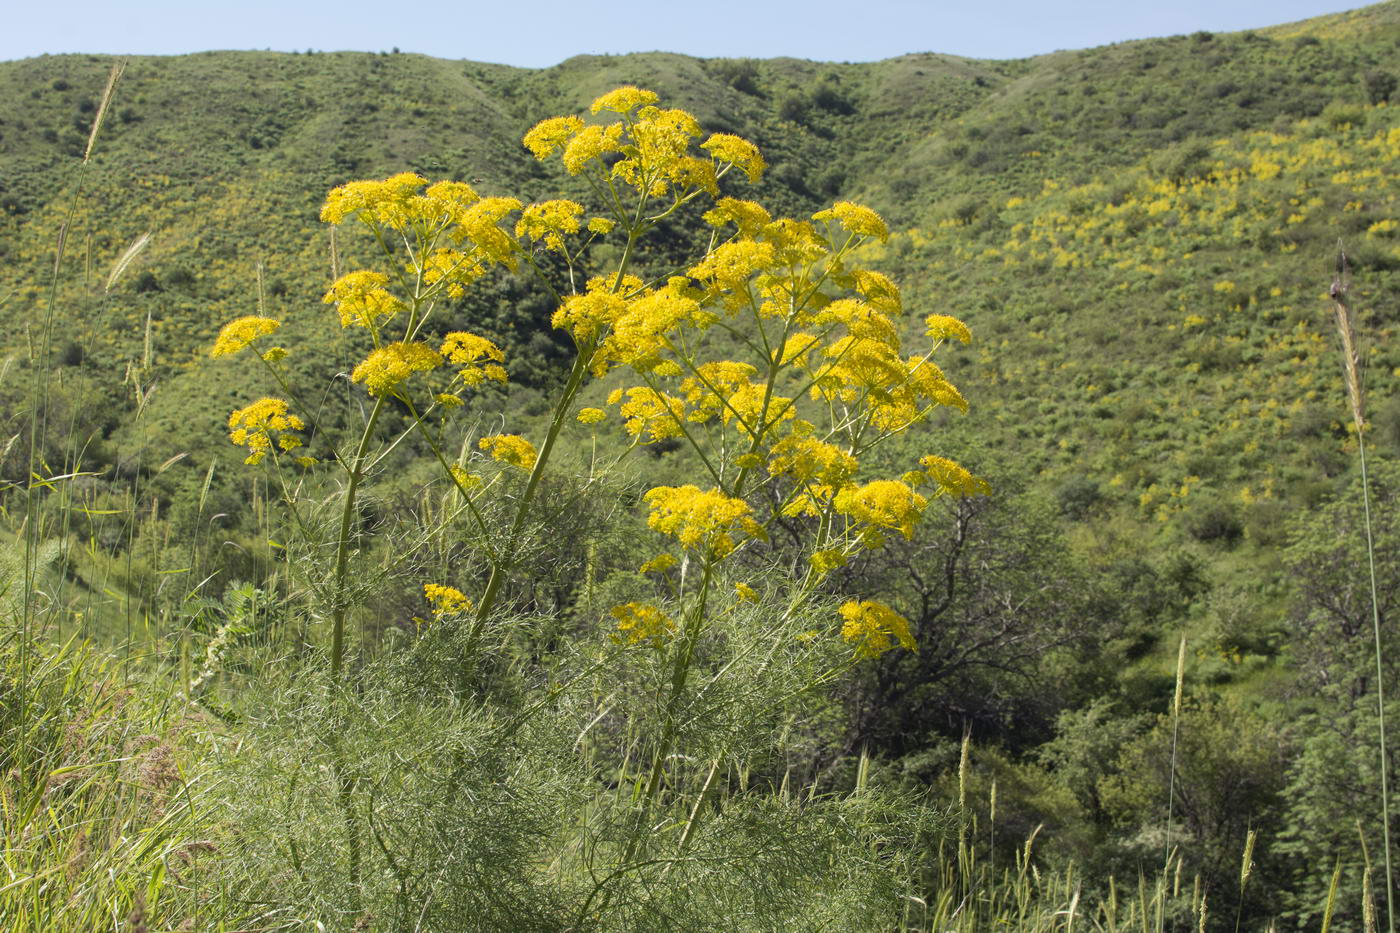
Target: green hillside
x=1141 y=238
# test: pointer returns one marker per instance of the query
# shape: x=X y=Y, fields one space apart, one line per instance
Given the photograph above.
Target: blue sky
x=537 y=33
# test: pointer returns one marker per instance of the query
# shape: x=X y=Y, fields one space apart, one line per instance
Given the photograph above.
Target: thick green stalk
x=342 y=551
x=680 y=673
x=345 y=780
x=501 y=567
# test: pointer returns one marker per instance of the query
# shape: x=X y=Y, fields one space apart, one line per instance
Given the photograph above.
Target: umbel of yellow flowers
x=821 y=376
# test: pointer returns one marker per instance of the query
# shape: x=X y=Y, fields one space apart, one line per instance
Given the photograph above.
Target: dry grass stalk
x=1351 y=357
x=964 y=770
x=1247 y=863
x=111 y=88
x=1351 y=364
x=1180 y=678
x=127 y=257
x=60 y=247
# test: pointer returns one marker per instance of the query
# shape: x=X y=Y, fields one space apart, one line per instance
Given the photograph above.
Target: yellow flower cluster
x=881 y=503
x=712 y=385
x=876 y=288
x=446 y=600
x=550 y=221
x=941 y=327
x=637 y=622
x=586 y=316
x=896 y=392
x=659 y=564
x=863 y=322
x=658 y=155
x=590 y=144
x=725 y=272
x=727 y=389
x=812 y=462
x=953 y=478
x=478 y=358
x=649 y=414
x=510 y=448
x=736 y=151
x=825 y=560
x=874 y=628
x=796 y=241
x=398 y=203
x=641 y=333
x=238 y=334
x=699 y=519
x=362 y=299
x=450 y=207
x=261 y=425
x=464 y=479
x=389 y=202
x=453 y=269
x=551 y=134
x=797 y=349
x=384 y=369
x=856 y=218
x=481 y=225
x=655 y=145
x=624 y=100
x=749 y=216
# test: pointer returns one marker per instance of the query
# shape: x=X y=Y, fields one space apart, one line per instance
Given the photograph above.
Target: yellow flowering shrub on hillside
x=815 y=374
x=775 y=359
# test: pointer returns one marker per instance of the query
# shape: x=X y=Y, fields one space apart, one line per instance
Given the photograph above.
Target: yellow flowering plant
x=780 y=433
x=814 y=376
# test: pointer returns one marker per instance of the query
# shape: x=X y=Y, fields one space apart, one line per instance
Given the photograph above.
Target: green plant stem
x=436 y=449
x=1380 y=683
x=342 y=551
x=680 y=673
x=345 y=781
x=500 y=567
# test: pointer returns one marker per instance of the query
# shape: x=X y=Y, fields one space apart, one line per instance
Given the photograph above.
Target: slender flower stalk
x=1351 y=364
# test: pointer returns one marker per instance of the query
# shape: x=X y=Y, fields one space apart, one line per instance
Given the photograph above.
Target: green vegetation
x=1141 y=238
